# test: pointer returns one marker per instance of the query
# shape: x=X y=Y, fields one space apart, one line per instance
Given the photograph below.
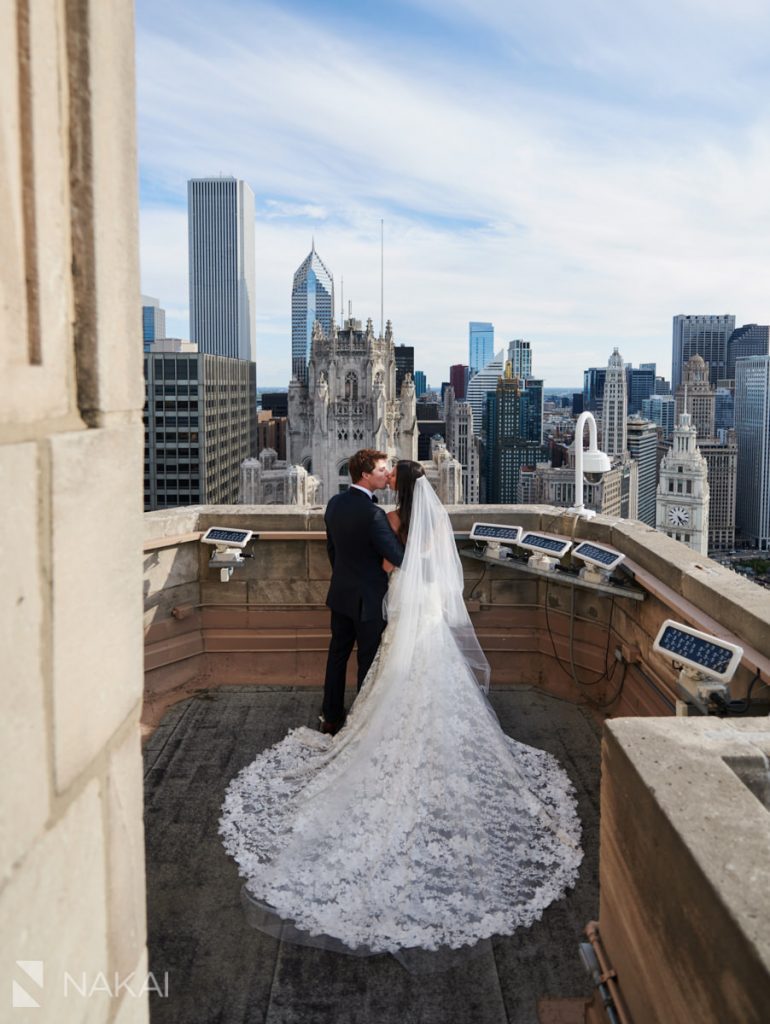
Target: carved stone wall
x=71 y=843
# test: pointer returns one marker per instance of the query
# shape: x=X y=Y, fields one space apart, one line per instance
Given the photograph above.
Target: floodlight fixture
x=229 y=543
x=601 y=561
x=494 y=536
x=546 y=549
x=707 y=662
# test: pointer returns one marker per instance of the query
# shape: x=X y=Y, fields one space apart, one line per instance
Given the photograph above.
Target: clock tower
x=682 y=506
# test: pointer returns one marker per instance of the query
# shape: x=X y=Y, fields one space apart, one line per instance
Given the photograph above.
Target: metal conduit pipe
x=605 y=978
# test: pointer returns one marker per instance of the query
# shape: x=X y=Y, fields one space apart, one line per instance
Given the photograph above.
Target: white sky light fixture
x=591 y=463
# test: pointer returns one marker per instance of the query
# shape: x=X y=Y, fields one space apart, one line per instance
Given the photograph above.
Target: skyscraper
x=682 y=500
x=706 y=336
x=221 y=266
x=752 y=427
x=458 y=378
x=312 y=298
x=593 y=388
x=513 y=436
x=420 y=383
x=404 y=364
x=520 y=358
x=697 y=397
x=640 y=384
x=614 y=407
x=749 y=340
x=200 y=424
x=643 y=446
x=479 y=386
x=661 y=409
x=153 y=321
x=481 y=344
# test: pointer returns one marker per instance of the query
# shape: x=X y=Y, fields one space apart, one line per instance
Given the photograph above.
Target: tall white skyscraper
x=484 y=383
x=520 y=358
x=614 y=407
x=705 y=336
x=312 y=298
x=220 y=214
x=481 y=345
x=752 y=427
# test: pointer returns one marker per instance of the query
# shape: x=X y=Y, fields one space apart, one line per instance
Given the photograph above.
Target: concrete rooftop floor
x=222 y=971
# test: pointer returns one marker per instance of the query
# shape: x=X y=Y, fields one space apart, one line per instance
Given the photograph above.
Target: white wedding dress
x=421 y=824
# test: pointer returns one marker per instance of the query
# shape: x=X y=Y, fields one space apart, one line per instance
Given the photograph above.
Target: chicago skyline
x=597 y=240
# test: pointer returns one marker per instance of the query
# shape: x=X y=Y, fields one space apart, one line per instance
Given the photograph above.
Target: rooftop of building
x=230 y=667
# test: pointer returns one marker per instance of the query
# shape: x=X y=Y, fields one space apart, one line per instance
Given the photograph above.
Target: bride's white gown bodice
x=421 y=824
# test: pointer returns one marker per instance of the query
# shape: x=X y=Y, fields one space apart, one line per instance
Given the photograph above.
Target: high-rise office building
x=643 y=448
x=404 y=364
x=420 y=383
x=481 y=345
x=200 y=424
x=724 y=410
x=614 y=407
x=752 y=427
x=463 y=444
x=640 y=384
x=721 y=455
x=221 y=266
x=153 y=321
x=661 y=409
x=749 y=340
x=458 y=378
x=662 y=386
x=706 y=336
x=479 y=386
x=312 y=298
x=513 y=436
x=593 y=388
x=696 y=396
x=520 y=358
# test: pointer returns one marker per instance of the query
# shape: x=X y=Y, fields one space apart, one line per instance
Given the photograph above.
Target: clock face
x=678 y=515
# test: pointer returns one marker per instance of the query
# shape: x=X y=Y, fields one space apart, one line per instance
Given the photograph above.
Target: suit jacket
x=358 y=537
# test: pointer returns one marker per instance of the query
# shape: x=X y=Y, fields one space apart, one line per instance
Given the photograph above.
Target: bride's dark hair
x=407 y=475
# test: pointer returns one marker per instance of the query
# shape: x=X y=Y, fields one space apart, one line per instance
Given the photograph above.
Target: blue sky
x=577 y=173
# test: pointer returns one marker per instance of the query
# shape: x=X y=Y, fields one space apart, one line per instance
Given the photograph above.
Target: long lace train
x=421 y=824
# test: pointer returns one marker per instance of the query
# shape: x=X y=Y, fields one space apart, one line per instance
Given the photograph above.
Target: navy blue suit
x=358 y=538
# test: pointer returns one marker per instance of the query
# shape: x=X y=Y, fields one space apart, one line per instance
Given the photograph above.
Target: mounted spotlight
x=591 y=463
x=495 y=536
x=546 y=549
x=707 y=665
x=600 y=561
x=229 y=544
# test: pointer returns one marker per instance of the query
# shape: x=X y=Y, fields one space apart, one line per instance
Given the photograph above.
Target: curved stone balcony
x=683 y=841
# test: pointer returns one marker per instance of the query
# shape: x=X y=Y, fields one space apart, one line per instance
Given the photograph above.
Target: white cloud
x=577 y=221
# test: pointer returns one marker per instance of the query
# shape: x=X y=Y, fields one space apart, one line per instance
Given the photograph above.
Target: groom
x=358 y=538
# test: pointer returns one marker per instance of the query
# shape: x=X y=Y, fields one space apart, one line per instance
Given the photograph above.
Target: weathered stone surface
x=685 y=859
x=54 y=911
x=170 y=567
x=125 y=851
x=32 y=392
x=118 y=378
x=97 y=672
x=24 y=801
x=288 y=592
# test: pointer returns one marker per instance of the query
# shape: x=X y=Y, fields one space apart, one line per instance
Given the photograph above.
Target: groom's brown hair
x=364 y=461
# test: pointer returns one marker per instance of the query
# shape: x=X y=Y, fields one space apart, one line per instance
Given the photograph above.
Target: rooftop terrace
x=684 y=843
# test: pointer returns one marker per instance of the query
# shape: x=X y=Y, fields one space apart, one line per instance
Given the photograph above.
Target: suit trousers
x=345 y=632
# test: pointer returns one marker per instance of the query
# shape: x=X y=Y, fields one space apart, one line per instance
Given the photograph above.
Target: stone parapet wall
x=684 y=868
x=269 y=624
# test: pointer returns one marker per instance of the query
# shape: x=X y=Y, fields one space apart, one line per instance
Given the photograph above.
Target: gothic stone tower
x=349 y=402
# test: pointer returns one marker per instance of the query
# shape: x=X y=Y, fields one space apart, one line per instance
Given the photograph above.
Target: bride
x=420 y=824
